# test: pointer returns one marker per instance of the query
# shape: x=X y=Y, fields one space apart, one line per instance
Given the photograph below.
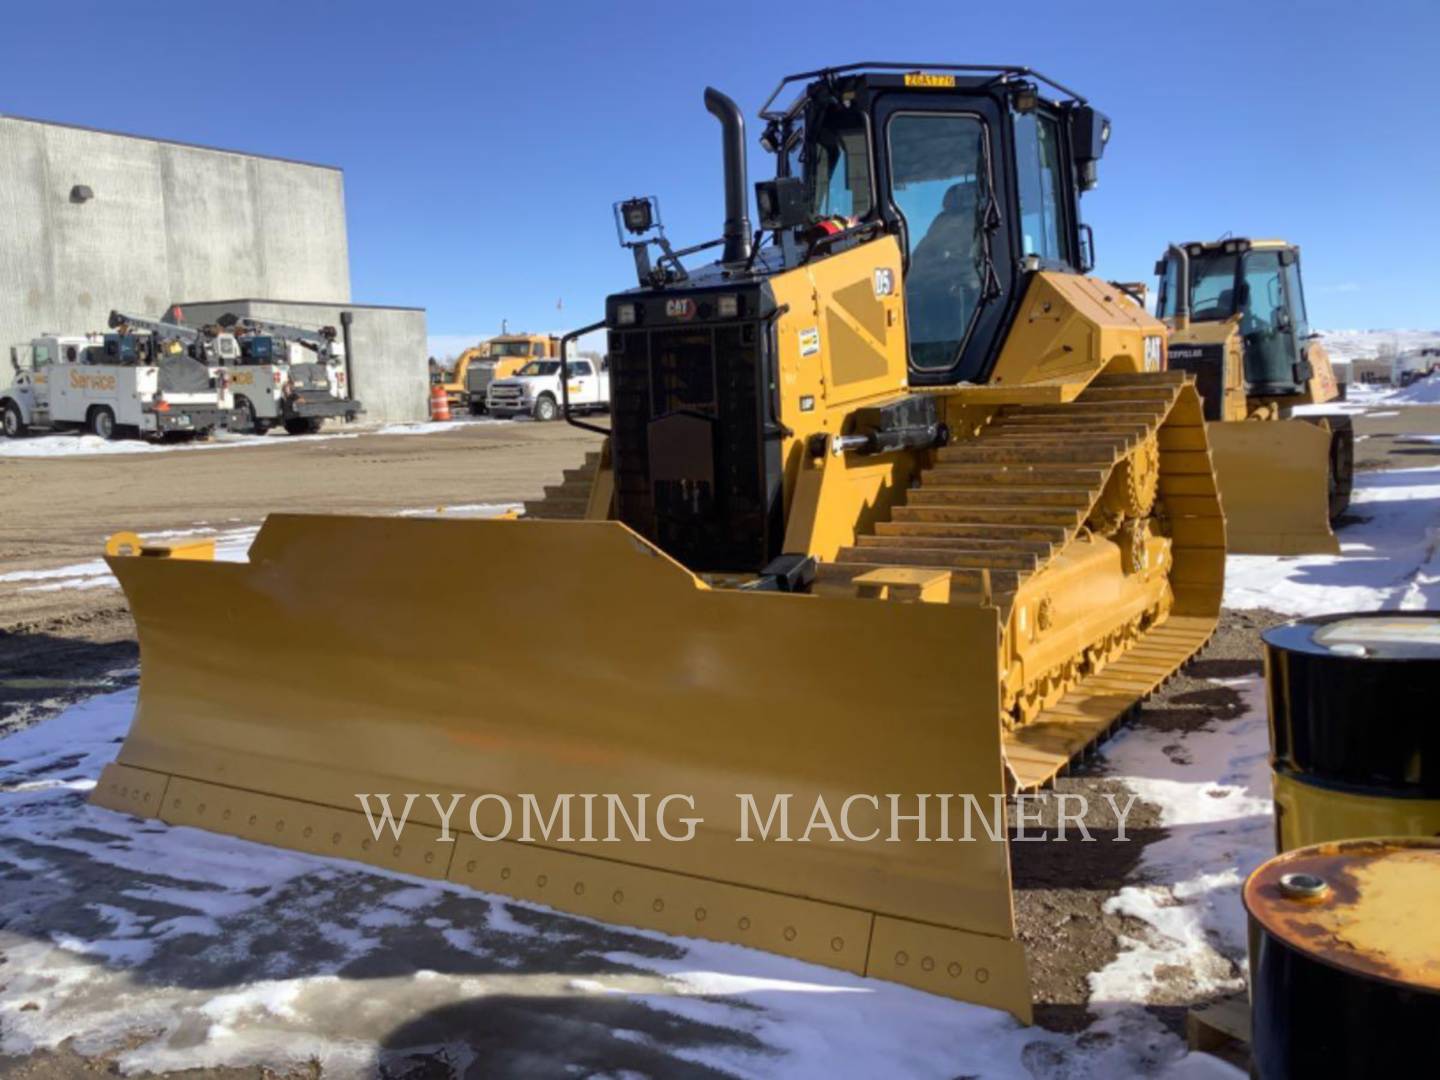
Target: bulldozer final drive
x=898 y=510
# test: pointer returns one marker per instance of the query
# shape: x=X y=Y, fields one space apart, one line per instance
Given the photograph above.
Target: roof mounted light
x=637 y=216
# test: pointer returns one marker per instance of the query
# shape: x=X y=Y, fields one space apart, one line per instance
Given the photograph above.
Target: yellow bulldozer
x=895 y=515
x=1236 y=313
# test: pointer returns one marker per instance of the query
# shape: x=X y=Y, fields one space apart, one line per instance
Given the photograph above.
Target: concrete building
x=92 y=221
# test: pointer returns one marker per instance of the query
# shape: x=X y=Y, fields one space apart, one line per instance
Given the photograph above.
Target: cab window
x=1262 y=293
x=1270 y=353
x=40 y=356
x=841 y=173
x=1038 y=172
x=537 y=348
x=1212 y=287
x=941 y=185
x=579 y=369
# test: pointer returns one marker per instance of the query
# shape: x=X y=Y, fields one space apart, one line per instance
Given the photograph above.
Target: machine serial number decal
x=884 y=281
x=810 y=341
x=680 y=309
x=920 y=78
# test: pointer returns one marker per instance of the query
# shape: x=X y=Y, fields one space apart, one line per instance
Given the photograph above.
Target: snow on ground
x=1377 y=400
x=66 y=444
x=173 y=948
x=1389 y=559
x=1212 y=786
x=1421 y=392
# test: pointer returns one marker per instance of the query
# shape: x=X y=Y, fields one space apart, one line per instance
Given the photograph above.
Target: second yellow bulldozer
x=1236 y=312
x=895 y=515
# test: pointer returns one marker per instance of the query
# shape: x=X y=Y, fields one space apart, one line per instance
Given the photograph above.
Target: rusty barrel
x=1345 y=960
x=1355 y=749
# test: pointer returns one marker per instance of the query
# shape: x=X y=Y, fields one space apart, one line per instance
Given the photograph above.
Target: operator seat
x=943 y=284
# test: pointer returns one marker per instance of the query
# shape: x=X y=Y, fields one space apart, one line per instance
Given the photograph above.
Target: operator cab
x=1257 y=284
x=975 y=172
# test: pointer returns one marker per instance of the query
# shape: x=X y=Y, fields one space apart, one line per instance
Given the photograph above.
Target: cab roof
x=894 y=74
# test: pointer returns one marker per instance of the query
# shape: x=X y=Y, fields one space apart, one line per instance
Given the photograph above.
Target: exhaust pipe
x=1182 y=286
x=737 y=219
x=346 y=318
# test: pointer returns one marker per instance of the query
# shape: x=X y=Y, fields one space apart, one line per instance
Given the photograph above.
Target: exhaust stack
x=1182 y=286
x=737 y=218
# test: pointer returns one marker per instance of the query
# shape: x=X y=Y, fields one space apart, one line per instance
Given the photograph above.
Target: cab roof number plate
x=926 y=79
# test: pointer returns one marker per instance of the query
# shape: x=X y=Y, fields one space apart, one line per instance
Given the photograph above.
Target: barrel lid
x=1365 y=906
x=1380 y=635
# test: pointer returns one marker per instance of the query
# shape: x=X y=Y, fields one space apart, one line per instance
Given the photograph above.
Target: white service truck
x=112 y=385
x=287 y=375
x=535 y=389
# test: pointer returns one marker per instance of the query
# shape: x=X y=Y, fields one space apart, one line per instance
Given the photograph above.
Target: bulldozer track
x=996 y=510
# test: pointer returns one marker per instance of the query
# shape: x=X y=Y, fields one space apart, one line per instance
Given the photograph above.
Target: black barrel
x=1355 y=742
x=1345 y=960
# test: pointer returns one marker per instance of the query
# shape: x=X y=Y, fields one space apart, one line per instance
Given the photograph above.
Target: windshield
x=541 y=367
x=1212 y=288
x=509 y=348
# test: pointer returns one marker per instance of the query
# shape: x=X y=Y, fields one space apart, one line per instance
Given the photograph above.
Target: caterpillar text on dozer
x=898 y=503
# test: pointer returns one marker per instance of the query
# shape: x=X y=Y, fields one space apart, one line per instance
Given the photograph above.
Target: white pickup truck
x=111 y=386
x=535 y=390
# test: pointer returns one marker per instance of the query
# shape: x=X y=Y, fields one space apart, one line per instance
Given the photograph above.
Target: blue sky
x=483 y=144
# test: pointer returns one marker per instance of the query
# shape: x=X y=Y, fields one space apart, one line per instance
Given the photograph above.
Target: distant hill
x=1365 y=344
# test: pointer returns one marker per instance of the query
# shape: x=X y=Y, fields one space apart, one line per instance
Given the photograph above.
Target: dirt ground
x=60 y=645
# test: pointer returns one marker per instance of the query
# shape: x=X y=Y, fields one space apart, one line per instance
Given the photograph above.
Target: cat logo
x=680 y=309
x=884 y=281
x=1154 y=354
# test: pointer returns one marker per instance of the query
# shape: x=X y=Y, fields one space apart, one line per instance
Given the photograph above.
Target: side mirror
x=1089 y=132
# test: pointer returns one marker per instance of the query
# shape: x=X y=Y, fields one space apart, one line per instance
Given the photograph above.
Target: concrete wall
x=389 y=367
x=166 y=220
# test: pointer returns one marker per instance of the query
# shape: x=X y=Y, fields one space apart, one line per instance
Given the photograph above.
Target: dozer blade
x=362 y=656
x=1274 y=486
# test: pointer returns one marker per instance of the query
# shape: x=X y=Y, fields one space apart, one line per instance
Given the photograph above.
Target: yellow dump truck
x=1237 y=319
x=498 y=358
x=894 y=515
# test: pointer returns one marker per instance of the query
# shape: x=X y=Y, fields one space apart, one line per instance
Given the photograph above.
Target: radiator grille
x=693 y=470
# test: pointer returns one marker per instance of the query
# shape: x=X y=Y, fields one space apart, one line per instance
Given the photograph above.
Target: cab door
x=1268 y=327
x=945 y=185
x=581 y=382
